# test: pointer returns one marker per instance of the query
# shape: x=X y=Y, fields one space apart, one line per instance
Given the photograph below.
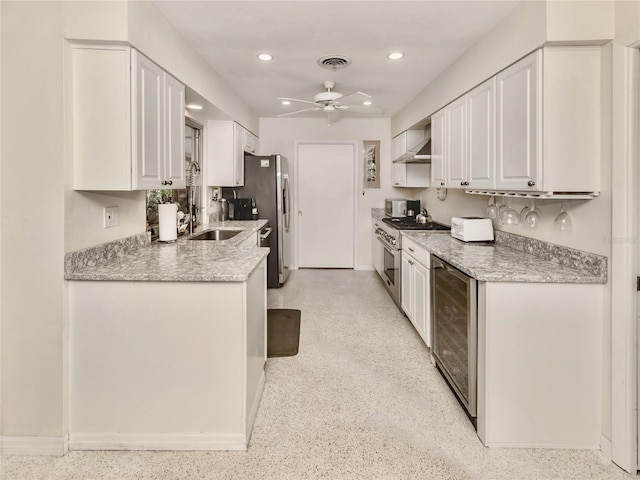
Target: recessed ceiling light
x=194 y=106
x=395 y=55
x=367 y=102
x=286 y=102
x=265 y=57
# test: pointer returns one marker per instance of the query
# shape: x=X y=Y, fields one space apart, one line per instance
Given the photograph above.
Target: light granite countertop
x=181 y=261
x=512 y=258
x=498 y=263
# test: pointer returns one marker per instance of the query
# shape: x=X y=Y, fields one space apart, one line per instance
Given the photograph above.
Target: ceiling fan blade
x=362 y=109
x=300 y=111
x=297 y=100
x=353 y=93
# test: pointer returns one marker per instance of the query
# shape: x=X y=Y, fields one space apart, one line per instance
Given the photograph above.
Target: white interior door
x=326 y=215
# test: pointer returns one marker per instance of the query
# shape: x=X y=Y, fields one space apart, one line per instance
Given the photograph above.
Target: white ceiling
x=432 y=35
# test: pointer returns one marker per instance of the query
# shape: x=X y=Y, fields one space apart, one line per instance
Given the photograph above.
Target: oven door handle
x=394 y=251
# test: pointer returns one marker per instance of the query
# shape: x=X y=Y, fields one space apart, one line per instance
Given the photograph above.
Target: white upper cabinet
x=174 y=170
x=548 y=122
x=438 y=154
x=456 y=143
x=463 y=145
x=228 y=142
x=533 y=128
x=481 y=135
x=518 y=124
x=128 y=121
x=250 y=142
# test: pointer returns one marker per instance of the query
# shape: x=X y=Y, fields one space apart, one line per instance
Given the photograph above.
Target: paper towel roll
x=167 y=222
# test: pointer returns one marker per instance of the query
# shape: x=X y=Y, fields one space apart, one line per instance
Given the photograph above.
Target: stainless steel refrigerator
x=266 y=179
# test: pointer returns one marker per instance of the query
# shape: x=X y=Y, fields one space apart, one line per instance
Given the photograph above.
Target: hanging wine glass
x=492 y=209
x=563 y=220
x=503 y=206
x=509 y=216
x=524 y=211
x=532 y=220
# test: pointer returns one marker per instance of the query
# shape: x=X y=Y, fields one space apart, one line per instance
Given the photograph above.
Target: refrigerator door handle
x=285 y=203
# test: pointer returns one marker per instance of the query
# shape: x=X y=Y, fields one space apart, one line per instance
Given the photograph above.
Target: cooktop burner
x=409 y=223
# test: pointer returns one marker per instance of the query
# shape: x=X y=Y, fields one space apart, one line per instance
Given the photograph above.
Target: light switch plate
x=111 y=217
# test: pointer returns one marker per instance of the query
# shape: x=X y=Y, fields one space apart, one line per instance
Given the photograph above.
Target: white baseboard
x=365 y=267
x=254 y=409
x=156 y=441
x=56 y=446
x=605 y=446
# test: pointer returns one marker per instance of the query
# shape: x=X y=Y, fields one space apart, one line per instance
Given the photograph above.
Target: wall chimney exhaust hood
x=420 y=153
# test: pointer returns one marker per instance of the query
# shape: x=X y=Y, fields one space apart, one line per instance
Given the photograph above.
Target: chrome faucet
x=194 y=168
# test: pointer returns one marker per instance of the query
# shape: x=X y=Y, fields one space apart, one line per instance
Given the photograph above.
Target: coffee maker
x=242 y=209
x=413 y=208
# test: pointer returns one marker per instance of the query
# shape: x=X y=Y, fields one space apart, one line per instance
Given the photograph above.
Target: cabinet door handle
x=410 y=262
x=164 y=182
x=410 y=249
x=531 y=183
x=442 y=184
x=462 y=183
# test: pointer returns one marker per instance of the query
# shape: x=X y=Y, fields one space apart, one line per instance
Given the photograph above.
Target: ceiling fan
x=331 y=103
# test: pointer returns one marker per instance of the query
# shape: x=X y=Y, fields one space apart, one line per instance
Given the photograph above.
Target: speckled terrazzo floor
x=360 y=401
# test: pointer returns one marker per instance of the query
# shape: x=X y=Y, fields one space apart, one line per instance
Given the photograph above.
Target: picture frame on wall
x=371 y=163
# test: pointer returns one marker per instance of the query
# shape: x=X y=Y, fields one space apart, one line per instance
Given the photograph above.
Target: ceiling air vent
x=334 y=62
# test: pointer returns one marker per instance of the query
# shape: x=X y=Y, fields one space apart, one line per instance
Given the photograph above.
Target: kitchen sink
x=216 y=235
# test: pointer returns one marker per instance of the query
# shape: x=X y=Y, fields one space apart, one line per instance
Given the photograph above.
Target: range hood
x=420 y=153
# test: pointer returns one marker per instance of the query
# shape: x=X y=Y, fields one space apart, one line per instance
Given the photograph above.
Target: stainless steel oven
x=455 y=330
x=389 y=238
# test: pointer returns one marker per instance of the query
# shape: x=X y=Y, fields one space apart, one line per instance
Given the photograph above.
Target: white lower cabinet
x=415 y=287
x=172 y=375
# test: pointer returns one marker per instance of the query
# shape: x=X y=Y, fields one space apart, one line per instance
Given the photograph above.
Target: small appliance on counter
x=395 y=207
x=472 y=229
x=242 y=209
x=413 y=208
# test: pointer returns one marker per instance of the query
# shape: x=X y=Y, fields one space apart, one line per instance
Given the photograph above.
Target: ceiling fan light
x=265 y=57
x=395 y=55
x=286 y=102
x=366 y=102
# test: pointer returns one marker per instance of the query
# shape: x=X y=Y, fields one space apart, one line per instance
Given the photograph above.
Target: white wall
x=32 y=199
x=277 y=135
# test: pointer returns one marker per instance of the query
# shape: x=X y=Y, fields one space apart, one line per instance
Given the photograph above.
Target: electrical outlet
x=111 y=217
